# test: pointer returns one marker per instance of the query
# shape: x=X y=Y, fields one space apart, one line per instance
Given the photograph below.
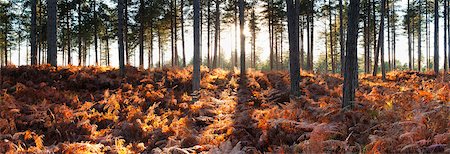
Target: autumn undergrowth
x=93 y=109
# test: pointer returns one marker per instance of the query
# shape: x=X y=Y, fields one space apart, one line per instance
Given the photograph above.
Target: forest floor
x=92 y=109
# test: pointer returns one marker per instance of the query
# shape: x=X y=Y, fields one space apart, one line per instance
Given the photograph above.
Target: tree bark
x=242 y=39
x=436 y=37
x=33 y=33
x=51 y=32
x=141 y=34
x=341 y=35
x=419 y=39
x=216 y=34
x=408 y=22
x=209 y=34
x=120 y=33
x=197 y=60
x=79 y=35
x=351 y=68
x=125 y=35
x=380 y=44
x=333 y=67
x=95 y=33
x=294 y=69
x=182 y=32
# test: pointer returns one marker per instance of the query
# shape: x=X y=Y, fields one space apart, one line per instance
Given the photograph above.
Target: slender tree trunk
x=394 y=36
x=216 y=34
x=150 y=48
x=125 y=35
x=33 y=33
x=95 y=33
x=326 y=49
x=351 y=68
x=312 y=37
x=6 y=43
x=161 y=54
x=367 y=39
x=271 y=56
x=121 y=41
x=419 y=39
x=107 y=50
x=389 y=34
x=79 y=34
x=333 y=67
x=276 y=51
x=445 y=36
x=302 y=50
x=408 y=22
x=69 y=39
x=235 y=34
x=242 y=39
x=209 y=34
x=141 y=34
x=197 y=60
x=341 y=35
x=381 y=44
x=175 y=48
x=374 y=34
x=448 y=33
x=292 y=14
x=51 y=32
x=182 y=32
x=436 y=37
x=308 y=34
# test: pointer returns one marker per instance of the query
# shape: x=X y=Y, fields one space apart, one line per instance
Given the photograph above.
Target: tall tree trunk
x=367 y=39
x=182 y=32
x=419 y=39
x=351 y=59
x=107 y=50
x=374 y=34
x=292 y=14
x=235 y=33
x=408 y=22
x=150 y=48
x=209 y=34
x=242 y=39
x=326 y=49
x=141 y=34
x=388 y=34
x=197 y=60
x=79 y=34
x=120 y=33
x=5 y=43
x=276 y=51
x=33 y=33
x=216 y=34
x=125 y=35
x=445 y=36
x=380 y=44
x=448 y=33
x=95 y=33
x=302 y=50
x=333 y=67
x=312 y=37
x=341 y=35
x=308 y=34
x=69 y=39
x=271 y=56
x=175 y=47
x=51 y=32
x=436 y=37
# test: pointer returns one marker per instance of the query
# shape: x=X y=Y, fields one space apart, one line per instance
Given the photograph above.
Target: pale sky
x=262 y=43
